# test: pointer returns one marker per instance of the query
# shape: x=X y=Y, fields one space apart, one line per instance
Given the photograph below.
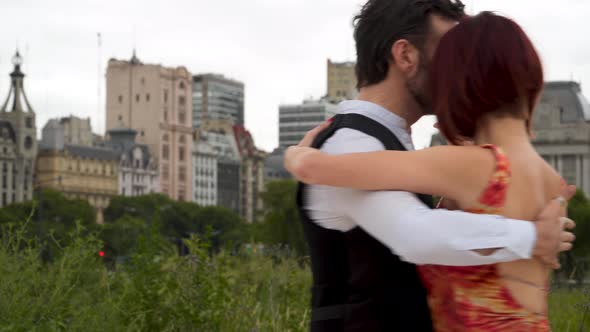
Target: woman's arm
x=450 y=171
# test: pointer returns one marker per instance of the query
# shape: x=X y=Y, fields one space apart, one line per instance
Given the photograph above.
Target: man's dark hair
x=383 y=22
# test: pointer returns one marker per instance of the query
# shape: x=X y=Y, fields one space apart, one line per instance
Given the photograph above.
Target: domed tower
x=18 y=112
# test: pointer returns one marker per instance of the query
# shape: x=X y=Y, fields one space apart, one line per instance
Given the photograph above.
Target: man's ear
x=406 y=57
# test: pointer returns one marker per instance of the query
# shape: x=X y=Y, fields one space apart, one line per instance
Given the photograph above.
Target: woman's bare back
x=532 y=184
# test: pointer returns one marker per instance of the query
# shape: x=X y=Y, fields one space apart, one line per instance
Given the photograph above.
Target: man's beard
x=418 y=88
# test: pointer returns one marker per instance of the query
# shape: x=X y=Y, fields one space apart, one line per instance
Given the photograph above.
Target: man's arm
x=422 y=235
x=417 y=233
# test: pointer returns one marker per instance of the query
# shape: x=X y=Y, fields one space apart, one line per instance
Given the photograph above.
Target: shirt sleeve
x=415 y=232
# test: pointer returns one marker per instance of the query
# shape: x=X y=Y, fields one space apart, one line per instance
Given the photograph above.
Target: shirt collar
x=375 y=112
x=395 y=123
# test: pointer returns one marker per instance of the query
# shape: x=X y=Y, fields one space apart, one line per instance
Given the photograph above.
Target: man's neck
x=396 y=103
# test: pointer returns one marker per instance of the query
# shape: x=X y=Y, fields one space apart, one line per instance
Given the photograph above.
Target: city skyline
x=278 y=49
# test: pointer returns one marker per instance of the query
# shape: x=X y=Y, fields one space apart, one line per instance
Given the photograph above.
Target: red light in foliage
x=101 y=254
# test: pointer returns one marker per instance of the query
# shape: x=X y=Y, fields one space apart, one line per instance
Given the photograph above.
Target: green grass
x=567 y=310
x=158 y=291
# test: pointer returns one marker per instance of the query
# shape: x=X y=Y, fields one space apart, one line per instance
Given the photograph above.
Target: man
x=362 y=243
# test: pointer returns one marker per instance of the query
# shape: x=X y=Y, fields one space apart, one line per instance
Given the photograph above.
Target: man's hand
x=552 y=230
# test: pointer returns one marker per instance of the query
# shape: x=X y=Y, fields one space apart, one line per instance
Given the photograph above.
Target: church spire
x=17 y=99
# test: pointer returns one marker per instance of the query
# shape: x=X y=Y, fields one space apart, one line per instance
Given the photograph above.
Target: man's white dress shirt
x=401 y=221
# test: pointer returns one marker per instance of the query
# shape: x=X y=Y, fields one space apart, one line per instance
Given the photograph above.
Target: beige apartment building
x=156 y=101
x=80 y=172
x=341 y=81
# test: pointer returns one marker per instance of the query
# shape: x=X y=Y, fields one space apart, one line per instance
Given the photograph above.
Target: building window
x=120 y=118
x=143 y=81
x=29 y=122
x=165 y=173
x=165 y=152
x=181 y=153
x=147 y=97
x=569 y=169
x=182 y=139
x=137 y=98
x=181 y=117
x=165 y=115
x=165 y=138
x=181 y=101
x=182 y=174
x=120 y=99
x=165 y=96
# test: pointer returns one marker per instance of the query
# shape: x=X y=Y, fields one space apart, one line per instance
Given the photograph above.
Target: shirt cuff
x=514 y=239
x=522 y=236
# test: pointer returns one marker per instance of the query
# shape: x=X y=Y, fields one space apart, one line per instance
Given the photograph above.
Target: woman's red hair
x=482 y=64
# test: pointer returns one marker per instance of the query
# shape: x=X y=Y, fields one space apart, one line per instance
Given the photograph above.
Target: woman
x=486 y=79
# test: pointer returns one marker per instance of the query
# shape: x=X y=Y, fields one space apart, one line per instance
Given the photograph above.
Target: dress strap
x=495 y=193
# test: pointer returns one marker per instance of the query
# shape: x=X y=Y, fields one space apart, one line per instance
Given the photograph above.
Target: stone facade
x=341 y=81
x=138 y=171
x=155 y=101
x=252 y=174
x=81 y=172
x=562 y=132
x=205 y=184
x=217 y=147
x=77 y=131
x=18 y=142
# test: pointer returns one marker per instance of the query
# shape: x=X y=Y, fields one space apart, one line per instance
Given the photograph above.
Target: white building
x=205 y=173
x=296 y=120
x=138 y=171
x=219 y=142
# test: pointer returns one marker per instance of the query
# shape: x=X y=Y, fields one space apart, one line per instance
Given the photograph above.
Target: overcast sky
x=278 y=48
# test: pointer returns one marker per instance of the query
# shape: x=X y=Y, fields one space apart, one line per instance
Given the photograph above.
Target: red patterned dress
x=473 y=298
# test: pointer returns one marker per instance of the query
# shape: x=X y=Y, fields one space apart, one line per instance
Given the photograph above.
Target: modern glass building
x=216 y=97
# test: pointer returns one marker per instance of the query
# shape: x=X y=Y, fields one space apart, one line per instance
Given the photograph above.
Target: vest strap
x=328 y=313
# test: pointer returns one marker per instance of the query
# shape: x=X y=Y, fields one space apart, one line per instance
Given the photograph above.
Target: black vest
x=358 y=283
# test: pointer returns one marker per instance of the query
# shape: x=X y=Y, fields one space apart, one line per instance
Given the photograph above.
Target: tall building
x=219 y=136
x=80 y=172
x=252 y=173
x=18 y=142
x=73 y=130
x=138 y=171
x=296 y=120
x=561 y=126
x=156 y=102
x=216 y=97
x=77 y=131
x=341 y=81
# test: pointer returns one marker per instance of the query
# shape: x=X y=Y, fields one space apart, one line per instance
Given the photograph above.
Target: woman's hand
x=299 y=158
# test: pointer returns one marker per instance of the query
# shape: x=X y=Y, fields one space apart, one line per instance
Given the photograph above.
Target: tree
x=579 y=211
x=575 y=263
x=53 y=220
x=280 y=217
